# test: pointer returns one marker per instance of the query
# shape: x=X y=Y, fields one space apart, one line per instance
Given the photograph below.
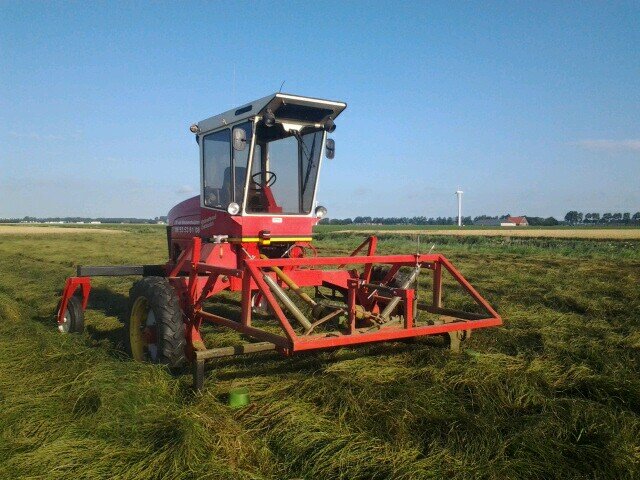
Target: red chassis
x=196 y=280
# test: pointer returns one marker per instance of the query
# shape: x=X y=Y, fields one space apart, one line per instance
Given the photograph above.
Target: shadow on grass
x=272 y=363
x=111 y=304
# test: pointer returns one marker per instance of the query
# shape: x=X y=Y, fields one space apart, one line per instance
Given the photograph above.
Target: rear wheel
x=155 y=330
x=73 y=319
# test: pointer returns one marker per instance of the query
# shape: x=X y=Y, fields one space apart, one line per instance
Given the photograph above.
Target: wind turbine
x=459 y=195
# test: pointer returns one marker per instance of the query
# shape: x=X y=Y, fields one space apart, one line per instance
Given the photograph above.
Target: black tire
x=74 y=316
x=159 y=296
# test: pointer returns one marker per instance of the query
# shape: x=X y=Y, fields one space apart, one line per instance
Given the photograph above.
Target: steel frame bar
x=197 y=280
x=201 y=356
x=257 y=333
x=389 y=334
x=253 y=281
x=402 y=260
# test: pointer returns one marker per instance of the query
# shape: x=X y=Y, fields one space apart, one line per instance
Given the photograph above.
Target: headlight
x=321 y=212
x=233 y=208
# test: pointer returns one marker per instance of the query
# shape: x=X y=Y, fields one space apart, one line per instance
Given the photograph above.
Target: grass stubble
x=554 y=393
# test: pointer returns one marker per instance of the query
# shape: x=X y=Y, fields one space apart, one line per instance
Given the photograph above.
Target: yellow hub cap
x=142 y=331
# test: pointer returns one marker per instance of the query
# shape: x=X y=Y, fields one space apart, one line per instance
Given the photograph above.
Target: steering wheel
x=270 y=177
x=210 y=196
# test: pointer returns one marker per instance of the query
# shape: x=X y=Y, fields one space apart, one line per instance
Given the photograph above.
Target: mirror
x=239 y=139
x=330 y=148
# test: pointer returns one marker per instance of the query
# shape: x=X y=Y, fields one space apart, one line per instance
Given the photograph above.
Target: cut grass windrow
x=555 y=393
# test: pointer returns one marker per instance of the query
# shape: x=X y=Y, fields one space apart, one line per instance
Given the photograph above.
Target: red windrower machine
x=250 y=231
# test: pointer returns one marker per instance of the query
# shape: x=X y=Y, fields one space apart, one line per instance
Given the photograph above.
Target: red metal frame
x=196 y=277
x=433 y=262
x=70 y=287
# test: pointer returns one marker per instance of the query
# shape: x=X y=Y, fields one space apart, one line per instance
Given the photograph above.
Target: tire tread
x=165 y=303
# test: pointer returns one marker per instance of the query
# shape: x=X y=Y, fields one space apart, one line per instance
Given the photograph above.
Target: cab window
x=216 y=169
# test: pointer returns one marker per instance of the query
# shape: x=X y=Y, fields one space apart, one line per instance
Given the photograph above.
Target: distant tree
x=572 y=217
x=636 y=217
x=617 y=217
x=483 y=217
x=607 y=217
x=542 y=222
x=626 y=217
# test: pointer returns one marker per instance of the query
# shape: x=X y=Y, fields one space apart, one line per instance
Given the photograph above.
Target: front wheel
x=73 y=318
x=154 y=326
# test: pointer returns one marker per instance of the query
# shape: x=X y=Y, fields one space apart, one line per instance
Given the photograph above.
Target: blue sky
x=531 y=108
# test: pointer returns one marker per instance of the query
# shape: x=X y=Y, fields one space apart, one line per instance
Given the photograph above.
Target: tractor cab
x=259 y=167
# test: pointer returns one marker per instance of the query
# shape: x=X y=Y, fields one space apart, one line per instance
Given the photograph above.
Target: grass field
x=612 y=233
x=554 y=393
x=49 y=229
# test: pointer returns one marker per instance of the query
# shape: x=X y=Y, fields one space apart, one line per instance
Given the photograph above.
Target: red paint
x=205 y=269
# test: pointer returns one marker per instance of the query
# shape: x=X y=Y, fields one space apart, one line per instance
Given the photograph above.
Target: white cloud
x=185 y=190
x=632 y=145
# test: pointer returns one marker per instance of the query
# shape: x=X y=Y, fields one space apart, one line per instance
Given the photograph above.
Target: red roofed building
x=518 y=221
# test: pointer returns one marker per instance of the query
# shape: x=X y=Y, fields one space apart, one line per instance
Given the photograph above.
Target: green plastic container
x=239 y=397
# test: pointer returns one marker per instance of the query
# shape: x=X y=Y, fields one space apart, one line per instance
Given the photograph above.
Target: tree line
x=576 y=218
x=393 y=221
x=29 y=219
x=421 y=220
x=572 y=217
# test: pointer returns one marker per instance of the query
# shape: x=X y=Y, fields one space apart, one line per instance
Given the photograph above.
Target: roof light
x=329 y=125
x=194 y=128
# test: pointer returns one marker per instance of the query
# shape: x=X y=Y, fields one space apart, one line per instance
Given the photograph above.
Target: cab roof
x=285 y=106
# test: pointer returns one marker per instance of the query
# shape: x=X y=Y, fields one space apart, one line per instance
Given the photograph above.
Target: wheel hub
x=66 y=322
x=143 y=332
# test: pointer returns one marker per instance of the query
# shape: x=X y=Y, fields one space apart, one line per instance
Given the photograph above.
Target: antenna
x=459 y=195
x=281 y=85
x=233 y=90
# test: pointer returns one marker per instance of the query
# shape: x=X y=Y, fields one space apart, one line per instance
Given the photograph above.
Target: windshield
x=284 y=171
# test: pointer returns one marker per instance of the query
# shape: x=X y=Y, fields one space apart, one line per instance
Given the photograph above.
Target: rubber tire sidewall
x=163 y=300
x=76 y=314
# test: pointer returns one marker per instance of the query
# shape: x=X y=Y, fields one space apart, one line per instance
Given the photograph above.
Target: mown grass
x=324 y=228
x=554 y=393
